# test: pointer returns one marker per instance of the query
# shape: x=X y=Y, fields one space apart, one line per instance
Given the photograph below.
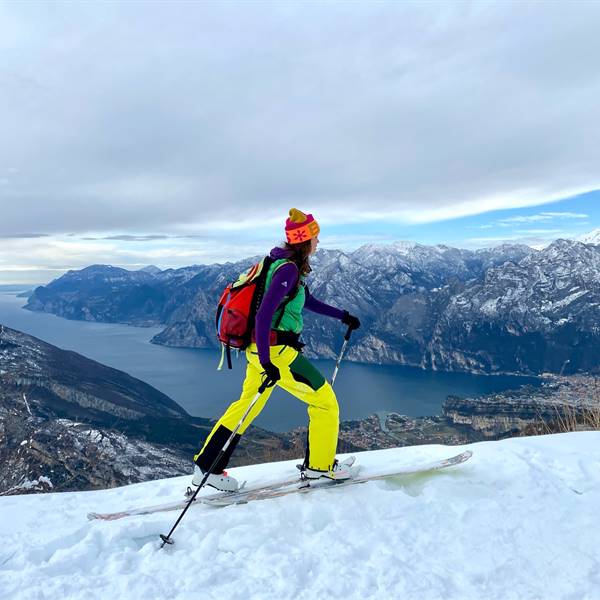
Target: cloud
x=544 y=216
x=554 y=233
x=130 y=238
x=23 y=235
x=535 y=238
x=193 y=118
x=567 y=215
x=50 y=255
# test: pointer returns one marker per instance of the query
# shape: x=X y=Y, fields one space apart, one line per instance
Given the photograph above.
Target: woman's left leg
x=227 y=423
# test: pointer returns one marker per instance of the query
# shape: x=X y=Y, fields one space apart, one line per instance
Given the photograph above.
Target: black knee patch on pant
x=214 y=447
x=304 y=372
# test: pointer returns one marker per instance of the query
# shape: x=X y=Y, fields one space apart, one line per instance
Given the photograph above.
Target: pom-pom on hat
x=300 y=227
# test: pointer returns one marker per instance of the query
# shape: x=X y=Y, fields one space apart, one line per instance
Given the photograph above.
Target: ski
x=212 y=499
x=324 y=483
x=180 y=504
x=283 y=488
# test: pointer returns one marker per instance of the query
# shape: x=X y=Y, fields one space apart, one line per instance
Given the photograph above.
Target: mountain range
x=509 y=309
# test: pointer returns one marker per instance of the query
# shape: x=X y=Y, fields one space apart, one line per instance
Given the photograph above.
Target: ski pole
x=339 y=360
x=166 y=539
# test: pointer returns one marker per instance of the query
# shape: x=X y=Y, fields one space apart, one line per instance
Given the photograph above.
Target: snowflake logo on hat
x=299 y=236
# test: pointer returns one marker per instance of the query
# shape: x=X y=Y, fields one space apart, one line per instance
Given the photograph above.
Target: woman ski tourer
x=276 y=354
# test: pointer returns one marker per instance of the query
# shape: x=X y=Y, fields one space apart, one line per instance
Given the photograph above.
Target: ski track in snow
x=518 y=521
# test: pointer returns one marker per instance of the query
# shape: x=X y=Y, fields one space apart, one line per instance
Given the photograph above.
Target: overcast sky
x=178 y=133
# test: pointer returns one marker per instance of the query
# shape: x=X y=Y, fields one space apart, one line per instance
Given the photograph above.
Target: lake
x=190 y=376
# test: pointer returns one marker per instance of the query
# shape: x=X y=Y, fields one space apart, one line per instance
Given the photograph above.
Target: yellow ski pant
x=301 y=379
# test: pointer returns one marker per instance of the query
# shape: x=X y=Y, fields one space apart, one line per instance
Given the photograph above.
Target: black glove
x=350 y=320
x=272 y=373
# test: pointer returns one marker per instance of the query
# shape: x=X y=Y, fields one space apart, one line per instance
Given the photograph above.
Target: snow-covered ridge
x=519 y=520
x=593 y=237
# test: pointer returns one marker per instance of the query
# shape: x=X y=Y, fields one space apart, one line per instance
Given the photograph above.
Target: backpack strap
x=222 y=357
x=258 y=296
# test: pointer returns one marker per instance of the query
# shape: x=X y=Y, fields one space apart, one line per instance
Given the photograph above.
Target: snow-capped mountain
x=518 y=520
x=152 y=269
x=593 y=237
x=505 y=309
x=539 y=314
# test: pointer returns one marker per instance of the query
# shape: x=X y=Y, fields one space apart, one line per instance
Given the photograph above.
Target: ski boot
x=220 y=481
x=338 y=472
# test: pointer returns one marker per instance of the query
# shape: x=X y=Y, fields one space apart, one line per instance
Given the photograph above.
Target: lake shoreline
x=189 y=376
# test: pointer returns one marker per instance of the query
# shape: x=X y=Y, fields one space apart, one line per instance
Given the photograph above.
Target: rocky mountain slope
x=560 y=404
x=72 y=423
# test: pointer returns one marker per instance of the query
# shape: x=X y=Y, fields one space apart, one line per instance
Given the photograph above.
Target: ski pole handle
x=348 y=333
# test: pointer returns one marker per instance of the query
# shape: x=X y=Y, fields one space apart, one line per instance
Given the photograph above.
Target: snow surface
x=517 y=521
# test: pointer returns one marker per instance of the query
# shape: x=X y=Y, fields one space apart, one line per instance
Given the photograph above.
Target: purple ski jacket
x=284 y=279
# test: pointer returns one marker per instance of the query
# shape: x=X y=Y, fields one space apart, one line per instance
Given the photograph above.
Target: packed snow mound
x=519 y=520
